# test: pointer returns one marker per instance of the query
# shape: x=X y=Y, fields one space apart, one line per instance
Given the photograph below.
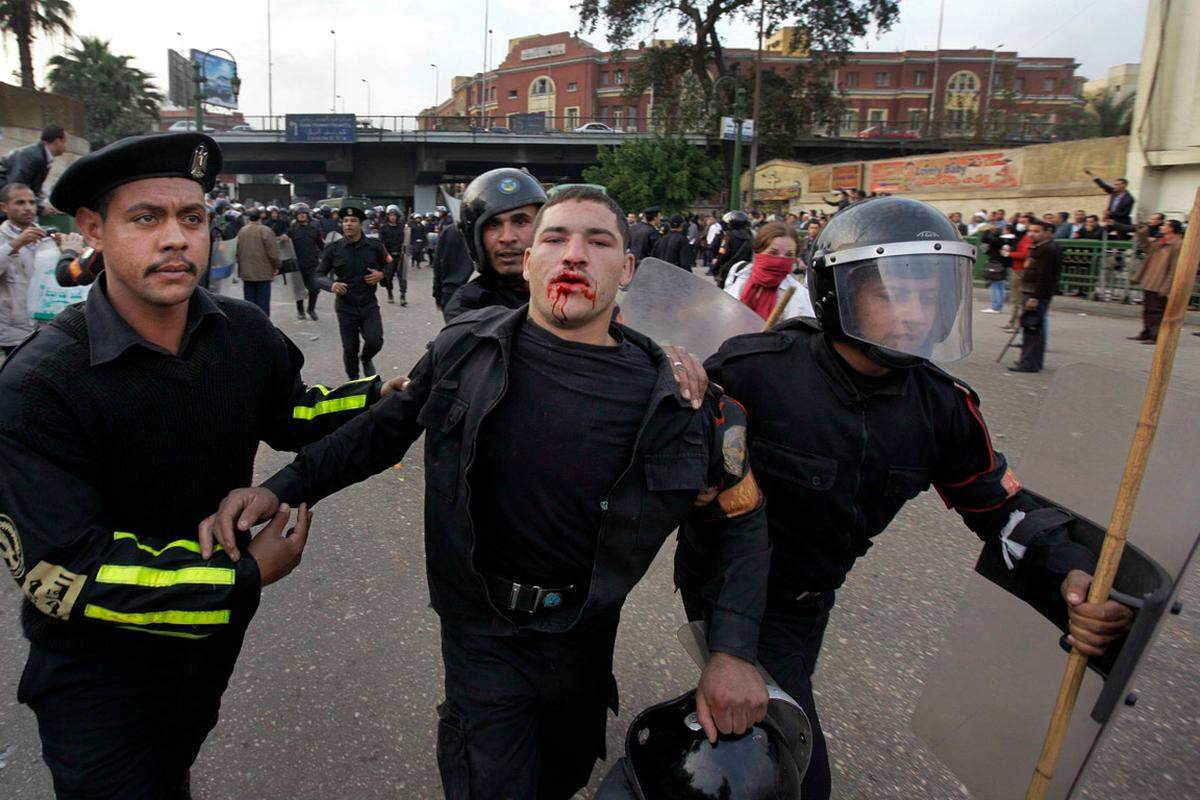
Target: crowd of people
x=155 y=388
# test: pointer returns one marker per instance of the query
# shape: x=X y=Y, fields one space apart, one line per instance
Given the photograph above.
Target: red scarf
x=768 y=272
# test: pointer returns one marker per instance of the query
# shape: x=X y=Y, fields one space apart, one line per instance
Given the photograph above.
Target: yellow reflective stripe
x=159 y=578
x=186 y=544
x=330 y=406
x=325 y=390
x=177 y=634
x=158 y=617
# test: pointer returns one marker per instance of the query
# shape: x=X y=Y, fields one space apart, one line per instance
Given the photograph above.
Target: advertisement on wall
x=217 y=72
x=846 y=176
x=971 y=172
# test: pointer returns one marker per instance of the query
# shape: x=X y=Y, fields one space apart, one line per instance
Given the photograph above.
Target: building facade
x=979 y=92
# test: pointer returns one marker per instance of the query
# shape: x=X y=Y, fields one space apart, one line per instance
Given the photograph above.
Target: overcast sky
x=393 y=42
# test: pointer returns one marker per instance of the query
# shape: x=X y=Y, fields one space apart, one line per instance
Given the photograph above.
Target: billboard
x=972 y=171
x=181 y=91
x=533 y=122
x=319 y=127
x=218 y=79
x=846 y=176
x=729 y=130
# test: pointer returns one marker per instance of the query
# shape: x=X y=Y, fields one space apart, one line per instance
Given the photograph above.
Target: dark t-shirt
x=549 y=453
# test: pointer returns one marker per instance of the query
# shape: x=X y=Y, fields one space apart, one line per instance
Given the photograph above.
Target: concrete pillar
x=424 y=198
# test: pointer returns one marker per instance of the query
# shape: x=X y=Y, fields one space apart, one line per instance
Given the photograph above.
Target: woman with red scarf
x=763 y=282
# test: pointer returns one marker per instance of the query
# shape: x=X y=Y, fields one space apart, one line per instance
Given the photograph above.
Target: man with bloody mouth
x=558 y=458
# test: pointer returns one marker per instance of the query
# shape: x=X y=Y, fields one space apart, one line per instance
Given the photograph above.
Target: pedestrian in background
x=674 y=247
x=258 y=261
x=761 y=284
x=31 y=164
x=20 y=238
x=995 y=272
x=1155 y=276
x=1039 y=284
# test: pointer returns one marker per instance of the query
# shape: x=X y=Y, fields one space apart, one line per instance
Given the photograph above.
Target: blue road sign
x=320 y=127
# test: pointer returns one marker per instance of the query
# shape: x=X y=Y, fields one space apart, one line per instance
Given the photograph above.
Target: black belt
x=510 y=596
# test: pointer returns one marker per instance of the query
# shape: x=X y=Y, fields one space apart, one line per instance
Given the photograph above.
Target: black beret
x=161 y=155
x=352 y=208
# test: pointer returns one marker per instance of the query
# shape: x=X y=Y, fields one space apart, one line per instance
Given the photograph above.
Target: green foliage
x=25 y=19
x=119 y=98
x=663 y=170
x=1104 y=115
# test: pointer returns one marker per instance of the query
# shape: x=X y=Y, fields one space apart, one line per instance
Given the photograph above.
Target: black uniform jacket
x=642 y=238
x=114 y=451
x=674 y=249
x=488 y=289
x=347 y=262
x=29 y=165
x=837 y=465
x=679 y=453
x=452 y=265
x=308 y=243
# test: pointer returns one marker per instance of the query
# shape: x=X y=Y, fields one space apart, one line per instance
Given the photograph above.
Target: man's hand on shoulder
x=689 y=374
x=730 y=697
x=242 y=508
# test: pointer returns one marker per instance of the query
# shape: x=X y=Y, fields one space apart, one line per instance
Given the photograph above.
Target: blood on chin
x=560 y=292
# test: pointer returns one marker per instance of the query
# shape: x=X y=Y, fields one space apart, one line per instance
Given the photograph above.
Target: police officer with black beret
x=352 y=268
x=121 y=423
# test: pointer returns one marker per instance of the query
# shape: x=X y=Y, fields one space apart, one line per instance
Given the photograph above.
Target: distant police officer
x=121 y=423
x=867 y=424
x=308 y=242
x=558 y=458
x=452 y=265
x=391 y=233
x=352 y=268
x=737 y=244
x=497 y=215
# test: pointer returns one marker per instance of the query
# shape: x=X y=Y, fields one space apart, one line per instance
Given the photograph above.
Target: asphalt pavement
x=335 y=691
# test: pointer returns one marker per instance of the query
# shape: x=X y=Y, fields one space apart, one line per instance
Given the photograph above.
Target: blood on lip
x=559 y=291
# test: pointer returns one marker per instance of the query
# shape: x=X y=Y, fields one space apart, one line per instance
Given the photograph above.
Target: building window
x=572 y=86
x=876 y=116
x=1019 y=86
x=852 y=79
x=1049 y=85
x=512 y=94
x=572 y=117
x=633 y=115
x=604 y=79
x=848 y=125
x=620 y=77
x=997 y=81
x=540 y=86
x=917 y=118
x=919 y=78
x=961 y=104
x=492 y=93
x=963 y=82
x=883 y=79
x=618 y=117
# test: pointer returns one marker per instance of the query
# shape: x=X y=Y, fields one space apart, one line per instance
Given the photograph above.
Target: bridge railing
x=850 y=127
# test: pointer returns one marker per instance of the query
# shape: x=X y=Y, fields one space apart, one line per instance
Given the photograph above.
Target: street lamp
x=368 y=83
x=335 y=94
x=739 y=115
x=435 y=87
x=199 y=78
x=991 y=83
x=339 y=97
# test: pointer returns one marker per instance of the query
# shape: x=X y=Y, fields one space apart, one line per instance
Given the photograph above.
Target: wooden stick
x=1131 y=481
x=778 y=312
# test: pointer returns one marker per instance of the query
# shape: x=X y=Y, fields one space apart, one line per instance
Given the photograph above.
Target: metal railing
x=860 y=128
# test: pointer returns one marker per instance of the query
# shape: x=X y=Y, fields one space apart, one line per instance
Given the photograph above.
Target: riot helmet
x=393 y=209
x=893 y=275
x=490 y=194
x=301 y=208
x=736 y=219
x=667 y=756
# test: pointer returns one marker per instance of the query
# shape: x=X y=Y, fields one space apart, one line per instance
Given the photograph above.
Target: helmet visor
x=917 y=304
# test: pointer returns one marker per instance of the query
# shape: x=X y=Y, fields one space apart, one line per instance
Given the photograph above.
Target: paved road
x=335 y=691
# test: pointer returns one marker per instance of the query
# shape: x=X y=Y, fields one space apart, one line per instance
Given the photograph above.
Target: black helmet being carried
x=490 y=194
x=893 y=274
x=667 y=756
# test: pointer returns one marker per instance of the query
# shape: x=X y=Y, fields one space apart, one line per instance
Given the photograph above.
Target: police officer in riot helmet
x=869 y=424
x=391 y=233
x=736 y=245
x=308 y=242
x=496 y=219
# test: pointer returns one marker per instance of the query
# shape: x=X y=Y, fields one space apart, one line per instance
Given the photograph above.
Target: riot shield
x=675 y=306
x=989 y=697
x=223 y=258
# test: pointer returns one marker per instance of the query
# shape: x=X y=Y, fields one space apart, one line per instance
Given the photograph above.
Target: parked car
x=595 y=127
x=241 y=128
x=188 y=125
x=499 y=129
x=887 y=132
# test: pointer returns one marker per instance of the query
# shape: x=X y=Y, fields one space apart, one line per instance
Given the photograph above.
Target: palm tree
x=24 y=19
x=120 y=99
x=1114 y=117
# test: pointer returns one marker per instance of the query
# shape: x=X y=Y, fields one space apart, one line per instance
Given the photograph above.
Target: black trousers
x=1154 y=305
x=396 y=271
x=123 y=725
x=524 y=717
x=1033 y=336
x=789 y=641
x=354 y=321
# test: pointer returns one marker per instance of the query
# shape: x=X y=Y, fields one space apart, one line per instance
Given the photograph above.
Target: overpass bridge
x=407 y=165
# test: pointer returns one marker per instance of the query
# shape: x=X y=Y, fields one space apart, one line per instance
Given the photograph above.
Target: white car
x=188 y=125
x=595 y=127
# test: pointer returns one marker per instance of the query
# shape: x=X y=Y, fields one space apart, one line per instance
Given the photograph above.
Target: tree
x=120 y=99
x=1104 y=115
x=827 y=28
x=662 y=170
x=24 y=19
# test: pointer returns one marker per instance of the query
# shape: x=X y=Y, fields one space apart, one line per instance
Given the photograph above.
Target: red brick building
x=571 y=82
